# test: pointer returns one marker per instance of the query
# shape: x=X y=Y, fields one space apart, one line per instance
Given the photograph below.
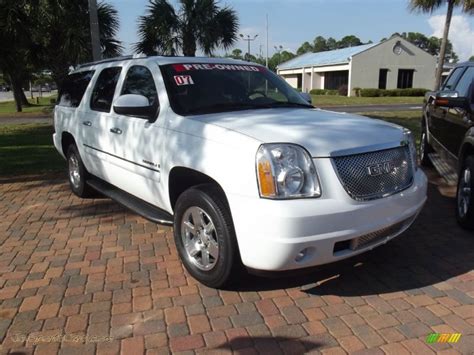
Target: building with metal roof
x=391 y=64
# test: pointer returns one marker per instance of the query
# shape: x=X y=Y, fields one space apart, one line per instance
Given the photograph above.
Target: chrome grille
x=360 y=184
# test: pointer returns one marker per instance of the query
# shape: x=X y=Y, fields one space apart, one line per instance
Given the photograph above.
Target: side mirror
x=307 y=97
x=451 y=99
x=134 y=105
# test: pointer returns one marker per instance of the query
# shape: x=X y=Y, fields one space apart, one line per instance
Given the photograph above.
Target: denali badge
x=381 y=168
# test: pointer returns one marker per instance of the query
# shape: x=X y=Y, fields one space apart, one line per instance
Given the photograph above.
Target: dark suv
x=448 y=129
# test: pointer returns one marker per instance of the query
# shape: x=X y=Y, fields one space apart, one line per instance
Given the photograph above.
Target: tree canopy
x=202 y=24
x=50 y=34
x=321 y=44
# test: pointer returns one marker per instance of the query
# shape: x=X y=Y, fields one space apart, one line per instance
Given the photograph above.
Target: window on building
x=73 y=88
x=103 y=94
x=465 y=84
x=383 y=78
x=405 y=78
x=333 y=80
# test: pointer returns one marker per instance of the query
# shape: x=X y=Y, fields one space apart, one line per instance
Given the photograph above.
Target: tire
x=464 y=196
x=77 y=174
x=425 y=149
x=210 y=256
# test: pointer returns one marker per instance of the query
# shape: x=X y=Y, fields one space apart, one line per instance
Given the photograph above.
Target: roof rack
x=110 y=60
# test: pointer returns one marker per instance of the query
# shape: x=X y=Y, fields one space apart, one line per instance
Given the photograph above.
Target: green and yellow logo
x=443 y=338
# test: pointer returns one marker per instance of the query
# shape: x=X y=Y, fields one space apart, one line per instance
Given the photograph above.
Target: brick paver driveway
x=85 y=276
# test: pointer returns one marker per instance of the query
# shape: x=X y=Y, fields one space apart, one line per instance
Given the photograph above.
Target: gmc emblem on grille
x=381 y=168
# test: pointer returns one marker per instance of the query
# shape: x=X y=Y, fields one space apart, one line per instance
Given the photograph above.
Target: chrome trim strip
x=367 y=149
x=116 y=156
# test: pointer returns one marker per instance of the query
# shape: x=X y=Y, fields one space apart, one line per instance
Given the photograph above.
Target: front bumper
x=272 y=234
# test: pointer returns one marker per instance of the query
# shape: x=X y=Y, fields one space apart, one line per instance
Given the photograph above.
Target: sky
x=292 y=22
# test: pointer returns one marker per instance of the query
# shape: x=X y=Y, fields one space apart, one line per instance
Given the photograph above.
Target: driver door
x=137 y=142
x=459 y=120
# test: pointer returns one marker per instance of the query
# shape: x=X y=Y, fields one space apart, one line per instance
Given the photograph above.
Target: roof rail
x=109 y=60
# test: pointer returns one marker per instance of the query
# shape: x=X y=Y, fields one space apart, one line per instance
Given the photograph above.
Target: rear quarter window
x=73 y=88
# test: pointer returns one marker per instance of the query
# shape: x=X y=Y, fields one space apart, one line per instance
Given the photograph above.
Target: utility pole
x=266 y=59
x=248 y=39
x=94 y=24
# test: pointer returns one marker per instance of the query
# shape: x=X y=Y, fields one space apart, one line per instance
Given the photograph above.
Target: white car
x=246 y=170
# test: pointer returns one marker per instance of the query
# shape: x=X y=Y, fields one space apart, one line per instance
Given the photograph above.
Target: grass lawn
x=334 y=100
x=28 y=149
x=44 y=107
x=408 y=119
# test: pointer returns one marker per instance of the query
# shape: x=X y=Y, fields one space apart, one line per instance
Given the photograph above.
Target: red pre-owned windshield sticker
x=227 y=67
x=181 y=80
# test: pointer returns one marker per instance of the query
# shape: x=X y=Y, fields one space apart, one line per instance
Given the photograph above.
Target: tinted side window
x=139 y=81
x=465 y=83
x=73 y=88
x=453 y=79
x=103 y=94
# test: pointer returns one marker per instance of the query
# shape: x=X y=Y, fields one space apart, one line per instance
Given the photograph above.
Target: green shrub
x=370 y=92
x=393 y=92
x=318 y=92
x=324 y=92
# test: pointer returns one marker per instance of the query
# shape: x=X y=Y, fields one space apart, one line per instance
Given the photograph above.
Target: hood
x=322 y=133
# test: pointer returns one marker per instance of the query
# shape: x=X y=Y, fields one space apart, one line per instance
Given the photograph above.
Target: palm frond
x=157 y=29
x=427 y=6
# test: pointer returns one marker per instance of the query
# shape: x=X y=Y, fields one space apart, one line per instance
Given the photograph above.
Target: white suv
x=244 y=168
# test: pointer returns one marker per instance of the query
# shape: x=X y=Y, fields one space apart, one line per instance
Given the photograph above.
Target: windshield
x=209 y=88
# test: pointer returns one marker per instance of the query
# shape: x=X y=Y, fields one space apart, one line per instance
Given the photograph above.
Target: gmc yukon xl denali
x=244 y=168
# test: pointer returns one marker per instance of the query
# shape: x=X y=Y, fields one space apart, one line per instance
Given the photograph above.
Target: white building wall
x=366 y=65
x=290 y=75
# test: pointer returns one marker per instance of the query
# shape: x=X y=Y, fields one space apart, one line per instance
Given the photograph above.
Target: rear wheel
x=78 y=174
x=425 y=149
x=204 y=235
x=465 y=198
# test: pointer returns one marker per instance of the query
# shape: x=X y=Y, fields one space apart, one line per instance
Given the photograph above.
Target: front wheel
x=465 y=200
x=204 y=235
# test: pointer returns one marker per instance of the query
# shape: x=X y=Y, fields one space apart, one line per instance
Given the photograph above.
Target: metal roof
x=338 y=56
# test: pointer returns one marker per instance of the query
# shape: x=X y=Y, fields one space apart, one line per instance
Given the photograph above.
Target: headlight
x=412 y=144
x=286 y=171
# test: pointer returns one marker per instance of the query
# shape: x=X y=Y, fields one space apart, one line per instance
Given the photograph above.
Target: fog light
x=301 y=255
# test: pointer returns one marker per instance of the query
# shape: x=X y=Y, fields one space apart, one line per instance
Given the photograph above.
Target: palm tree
x=66 y=34
x=428 y=6
x=197 y=23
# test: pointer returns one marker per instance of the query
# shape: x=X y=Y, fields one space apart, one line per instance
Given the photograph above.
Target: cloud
x=461 y=34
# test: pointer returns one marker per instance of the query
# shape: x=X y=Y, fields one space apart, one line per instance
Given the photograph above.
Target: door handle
x=87 y=123
x=116 y=130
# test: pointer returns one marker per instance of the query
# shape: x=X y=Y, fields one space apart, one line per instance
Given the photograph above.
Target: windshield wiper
x=288 y=104
x=223 y=107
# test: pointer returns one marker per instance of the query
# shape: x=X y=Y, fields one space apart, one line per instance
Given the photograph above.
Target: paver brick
x=89 y=267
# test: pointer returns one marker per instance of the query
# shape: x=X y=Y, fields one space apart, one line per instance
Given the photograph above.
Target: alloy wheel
x=74 y=171
x=464 y=192
x=199 y=237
